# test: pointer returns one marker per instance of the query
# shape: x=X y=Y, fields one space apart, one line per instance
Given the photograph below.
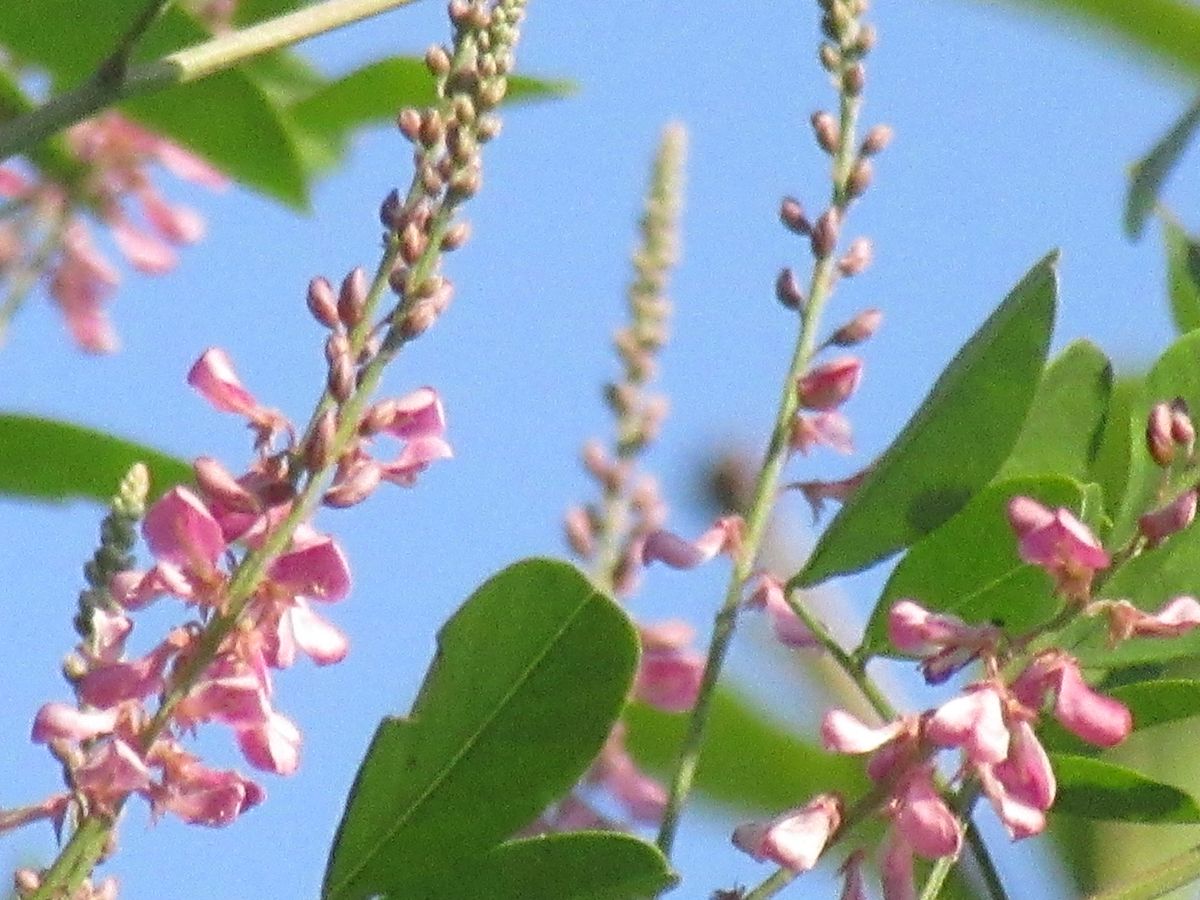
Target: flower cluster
x=45 y=224
x=991 y=724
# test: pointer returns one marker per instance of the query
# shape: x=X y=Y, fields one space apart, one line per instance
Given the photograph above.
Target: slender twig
x=766 y=487
x=114 y=67
x=21 y=134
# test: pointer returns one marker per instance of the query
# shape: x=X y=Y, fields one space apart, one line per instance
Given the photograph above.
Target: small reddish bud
x=1159 y=439
x=830 y=57
x=580 y=533
x=218 y=484
x=867 y=38
x=321 y=302
x=857 y=259
x=825 y=129
x=354 y=486
x=432 y=128
x=412 y=243
x=352 y=298
x=876 y=141
x=466 y=182
x=342 y=379
x=791 y=213
x=1182 y=430
x=859 y=178
x=456 y=235
x=854 y=80
x=337 y=346
x=317 y=450
x=492 y=92
x=437 y=60
x=1177 y=515
x=825 y=233
x=391 y=210
x=409 y=123
x=487 y=127
x=829 y=385
x=787 y=291
x=858 y=329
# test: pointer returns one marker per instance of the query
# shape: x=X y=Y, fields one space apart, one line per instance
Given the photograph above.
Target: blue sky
x=1013 y=137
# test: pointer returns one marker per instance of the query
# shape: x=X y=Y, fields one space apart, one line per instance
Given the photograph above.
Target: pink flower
x=315 y=568
x=81 y=282
x=1022 y=788
x=108 y=683
x=830 y=384
x=796 y=839
x=200 y=795
x=923 y=818
x=1177 y=515
x=767 y=593
x=1125 y=620
x=59 y=721
x=111 y=770
x=897 y=868
x=302 y=629
x=1095 y=718
x=670 y=671
x=1059 y=543
x=725 y=536
x=273 y=745
x=853 y=883
x=214 y=377
x=841 y=732
x=817 y=492
x=828 y=429
x=643 y=798
x=179 y=529
x=973 y=721
x=947 y=642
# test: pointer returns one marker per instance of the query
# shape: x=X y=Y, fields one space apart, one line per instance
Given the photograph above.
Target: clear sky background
x=1013 y=137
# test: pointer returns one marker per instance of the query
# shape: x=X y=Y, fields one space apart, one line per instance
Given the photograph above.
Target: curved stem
x=765 y=492
x=114 y=67
x=23 y=133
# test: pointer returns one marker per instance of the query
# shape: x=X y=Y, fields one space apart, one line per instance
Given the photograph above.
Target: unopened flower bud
x=621 y=398
x=321 y=302
x=492 y=92
x=26 y=880
x=854 y=80
x=487 y=127
x=1182 y=430
x=830 y=57
x=791 y=213
x=342 y=378
x=459 y=12
x=318 y=449
x=595 y=460
x=825 y=233
x=418 y=319
x=353 y=486
x=456 y=235
x=409 y=123
x=859 y=178
x=412 y=243
x=437 y=60
x=218 y=484
x=378 y=417
x=825 y=129
x=579 y=531
x=858 y=329
x=876 y=141
x=867 y=38
x=1177 y=515
x=432 y=128
x=830 y=384
x=1159 y=442
x=352 y=298
x=857 y=257
x=466 y=182
x=391 y=210
x=787 y=291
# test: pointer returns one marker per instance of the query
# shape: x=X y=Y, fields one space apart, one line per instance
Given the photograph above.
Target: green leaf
x=1175 y=374
x=1151 y=703
x=372 y=94
x=969 y=567
x=1169 y=30
x=226 y=118
x=582 y=866
x=43 y=459
x=954 y=443
x=1183 y=276
x=1062 y=431
x=530 y=674
x=1095 y=789
x=1149 y=173
x=750 y=764
x=1148 y=581
x=1110 y=467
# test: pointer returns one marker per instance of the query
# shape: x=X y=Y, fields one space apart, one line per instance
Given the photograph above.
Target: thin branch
x=114 y=67
x=22 y=134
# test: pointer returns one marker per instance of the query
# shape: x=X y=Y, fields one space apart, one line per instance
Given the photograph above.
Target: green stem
x=114 y=67
x=765 y=492
x=21 y=134
x=1158 y=881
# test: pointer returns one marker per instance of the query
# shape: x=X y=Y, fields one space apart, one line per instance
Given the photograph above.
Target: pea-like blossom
x=725 y=536
x=795 y=839
x=1058 y=542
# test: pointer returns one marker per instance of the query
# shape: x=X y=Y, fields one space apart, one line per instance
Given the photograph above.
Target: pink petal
x=111 y=770
x=1026 y=774
x=828 y=429
x=897 y=868
x=1056 y=541
x=180 y=530
x=973 y=721
x=1178 y=617
x=669 y=679
x=926 y=821
x=318 y=571
x=214 y=377
x=186 y=165
x=767 y=593
x=108 y=684
x=237 y=700
x=418 y=415
x=146 y=252
x=208 y=797
x=794 y=840
x=1021 y=818
x=177 y=224
x=854 y=885
x=61 y=721
x=12 y=184
x=724 y=536
x=830 y=384
x=414 y=459
x=1095 y=718
x=1177 y=515
x=273 y=746
x=323 y=642
x=841 y=732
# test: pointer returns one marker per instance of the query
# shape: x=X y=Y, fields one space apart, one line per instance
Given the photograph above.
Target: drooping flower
x=1125 y=620
x=670 y=669
x=1095 y=718
x=767 y=594
x=795 y=839
x=828 y=385
x=725 y=536
x=946 y=642
x=1059 y=543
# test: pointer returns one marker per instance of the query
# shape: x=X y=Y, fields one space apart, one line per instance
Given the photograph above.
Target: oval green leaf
x=1061 y=435
x=583 y=866
x=969 y=567
x=1151 y=171
x=954 y=443
x=530 y=674
x=42 y=459
x=1095 y=789
x=1183 y=276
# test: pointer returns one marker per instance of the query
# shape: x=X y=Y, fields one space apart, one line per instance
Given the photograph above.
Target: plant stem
x=114 y=67
x=765 y=491
x=23 y=133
